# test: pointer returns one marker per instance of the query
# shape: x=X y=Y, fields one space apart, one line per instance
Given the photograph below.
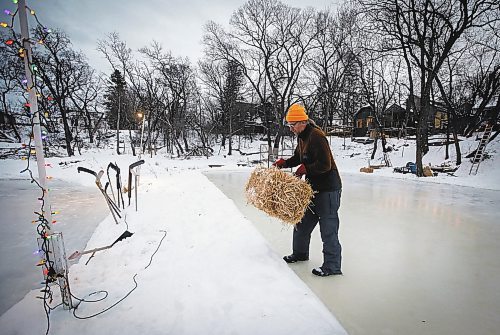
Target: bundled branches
x=278 y=194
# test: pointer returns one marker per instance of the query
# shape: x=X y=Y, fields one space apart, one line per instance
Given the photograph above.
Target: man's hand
x=280 y=163
x=301 y=170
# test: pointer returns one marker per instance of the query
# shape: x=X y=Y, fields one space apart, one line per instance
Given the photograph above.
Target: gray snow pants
x=323 y=208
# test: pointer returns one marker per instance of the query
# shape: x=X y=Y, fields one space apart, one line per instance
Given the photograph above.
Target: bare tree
x=426 y=31
x=379 y=77
x=119 y=57
x=179 y=95
x=64 y=72
x=224 y=81
x=270 y=42
x=331 y=64
x=11 y=70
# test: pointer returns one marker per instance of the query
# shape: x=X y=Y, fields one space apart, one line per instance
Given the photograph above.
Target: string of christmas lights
x=44 y=215
x=43 y=219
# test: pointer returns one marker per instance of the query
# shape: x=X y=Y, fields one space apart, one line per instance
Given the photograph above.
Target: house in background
x=395 y=118
x=363 y=121
x=437 y=120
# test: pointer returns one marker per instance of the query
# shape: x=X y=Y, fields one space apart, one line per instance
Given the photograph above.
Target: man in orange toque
x=314 y=159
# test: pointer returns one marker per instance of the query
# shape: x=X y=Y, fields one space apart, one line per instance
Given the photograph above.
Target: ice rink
x=80 y=209
x=418 y=258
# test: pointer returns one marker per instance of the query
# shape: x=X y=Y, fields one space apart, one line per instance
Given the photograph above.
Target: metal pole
x=37 y=134
x=142 y=132
x=140 y=157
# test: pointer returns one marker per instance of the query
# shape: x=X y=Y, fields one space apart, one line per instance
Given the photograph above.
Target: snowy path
x=212 y=274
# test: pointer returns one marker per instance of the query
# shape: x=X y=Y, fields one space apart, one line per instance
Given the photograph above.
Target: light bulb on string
x=9 y=42
x=8 y=12
x=14 y=1
x=3 y=24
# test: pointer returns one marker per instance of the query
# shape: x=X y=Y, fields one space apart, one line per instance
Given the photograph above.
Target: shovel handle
x=133 y=165
x=114 y=167
x=82 y=169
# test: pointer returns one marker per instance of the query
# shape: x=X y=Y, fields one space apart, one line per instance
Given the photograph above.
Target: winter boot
x=293 y=258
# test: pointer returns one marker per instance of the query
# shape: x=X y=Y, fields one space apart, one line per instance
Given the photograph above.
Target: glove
x=280 y=163
x=301 y=170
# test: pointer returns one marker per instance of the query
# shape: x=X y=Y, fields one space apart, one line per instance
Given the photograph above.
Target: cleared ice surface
x=418 y=258
x=80 y=210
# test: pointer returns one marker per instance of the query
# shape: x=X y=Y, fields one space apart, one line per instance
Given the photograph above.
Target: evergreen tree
x=229 y=97
x=118 y=107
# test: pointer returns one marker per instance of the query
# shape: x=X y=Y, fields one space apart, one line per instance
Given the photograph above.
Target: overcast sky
x=176 y=24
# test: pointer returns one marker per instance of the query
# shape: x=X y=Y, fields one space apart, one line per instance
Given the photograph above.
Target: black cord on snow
x=106 y=293
x=107 y=309
x=159 y=244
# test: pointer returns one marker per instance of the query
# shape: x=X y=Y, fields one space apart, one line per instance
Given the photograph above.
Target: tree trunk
x=422 y=130
x=375 y=144
x=89 y=127
x=457 y=148
x=132 y=142
x=230 y=135
x=118 y=127
x=68 y=137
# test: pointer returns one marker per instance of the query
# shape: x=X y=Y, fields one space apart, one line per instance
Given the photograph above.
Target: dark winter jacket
x=314 y=152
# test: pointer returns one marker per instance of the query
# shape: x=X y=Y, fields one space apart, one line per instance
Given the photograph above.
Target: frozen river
x=418 y=258
x=81 y=210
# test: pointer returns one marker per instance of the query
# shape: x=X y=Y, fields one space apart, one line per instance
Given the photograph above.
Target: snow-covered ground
x=198 y=264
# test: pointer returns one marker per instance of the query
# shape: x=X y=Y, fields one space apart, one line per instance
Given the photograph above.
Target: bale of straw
x=279 y=194
x=366 y=169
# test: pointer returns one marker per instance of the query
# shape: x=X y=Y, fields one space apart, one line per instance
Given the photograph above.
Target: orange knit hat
x=295 y=113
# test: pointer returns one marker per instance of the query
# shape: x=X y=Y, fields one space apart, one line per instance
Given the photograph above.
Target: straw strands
x=279 y=194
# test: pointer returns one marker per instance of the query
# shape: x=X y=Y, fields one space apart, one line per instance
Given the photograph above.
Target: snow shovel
x=78 y=254
x=113 y=209
x=130 y=169
x=118 y=184
x=109 y=182
x=113 y=203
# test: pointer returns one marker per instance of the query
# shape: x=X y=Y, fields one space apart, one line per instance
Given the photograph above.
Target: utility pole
x=37 y=133
x=55 y=243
